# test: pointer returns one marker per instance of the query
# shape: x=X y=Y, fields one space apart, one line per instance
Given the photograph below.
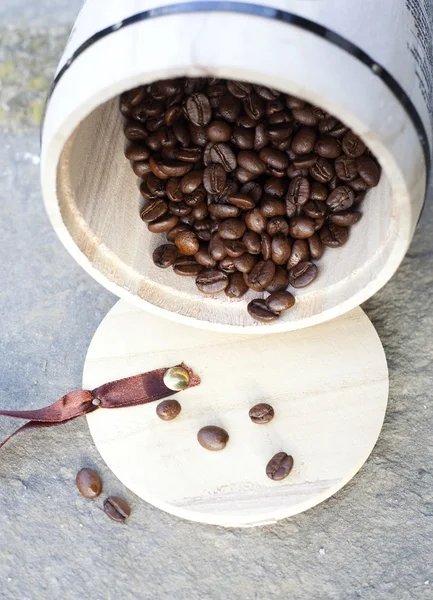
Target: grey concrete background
x=372 y=541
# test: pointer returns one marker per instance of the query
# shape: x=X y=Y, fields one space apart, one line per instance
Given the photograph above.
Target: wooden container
x=357 y=62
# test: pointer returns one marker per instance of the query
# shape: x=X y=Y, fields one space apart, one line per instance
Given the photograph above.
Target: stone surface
x=372 y=541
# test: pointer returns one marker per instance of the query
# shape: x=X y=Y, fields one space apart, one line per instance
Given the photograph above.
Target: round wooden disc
x=328 y=385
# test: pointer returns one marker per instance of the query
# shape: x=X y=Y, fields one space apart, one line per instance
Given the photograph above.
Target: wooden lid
x=328 y=385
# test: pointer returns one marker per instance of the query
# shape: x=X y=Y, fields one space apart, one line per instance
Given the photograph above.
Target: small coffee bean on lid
x=89 y=483
x=117 y=509
x=261 y=413
x=279 y=466
x=213 y=438
x=167 y=410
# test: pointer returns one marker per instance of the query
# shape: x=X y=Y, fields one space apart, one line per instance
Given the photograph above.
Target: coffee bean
x=280 y=280
x=165 y=256
x=305 y=116
x=227 y=265
x=303 y=274
x=235 y=248
x=279 y=466
x=251 y=162
x=141 y=168
x=261 y=275
x=346 y=168
x=318 y=191
x=266 y=246
x=239 y=89
x=186 y=266
x=242 y=201
x=369 y=170
x=340 y=199
x=88 y=483
x=187 y=243
x=219 y=131
x=243 y=138
x=204 y=258
x=135 y=131
x=315 y=210
x=334 y=236
x=258 y=310
x=212 y=281
x=245 y=263
x=280 y=249
x=192 y=155
x=232 y=229
x=223 y=211
x=137 y=152
x=229 y=108
x=217 y=248
x=261 y=137
x=352 y=145
x=327 y=147
x=277 y=226
x=299 y=191
x=190 y=182
x=236 y=287
x=305 y=162
x=255 y=221
x=274 y=158
x=280 y=301
x=332 y=127
x=195 y=198
x=117 y=509
x=280 y=133
x=252 y=242
x=222 y=154
x=345 y=218
x=167 y=410
x=304 y=140
x=171 y=235
x=153 y=210
x=198 y=109
x=271 y=207
x=301 y=227
x=180 y=209
x=261 y=413
x=322 y=171
x=315 y=246
x=163 y=224
x=275 y=187
x=214 y=179
x=254 y=106
x=213 y=438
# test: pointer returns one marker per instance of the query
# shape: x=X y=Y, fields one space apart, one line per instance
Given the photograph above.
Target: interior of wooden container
x=100 y=205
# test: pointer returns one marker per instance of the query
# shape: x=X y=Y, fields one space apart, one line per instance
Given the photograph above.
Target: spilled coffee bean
x=117 y=509
x=279 y=466
x=261 y=413
x=88 y=483
x=213 y=438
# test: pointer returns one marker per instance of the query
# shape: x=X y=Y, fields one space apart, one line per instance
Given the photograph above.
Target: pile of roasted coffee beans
x=249 y=185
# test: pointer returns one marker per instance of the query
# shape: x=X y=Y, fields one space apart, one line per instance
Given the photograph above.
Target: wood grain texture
x=328 y=385
x=91 y=193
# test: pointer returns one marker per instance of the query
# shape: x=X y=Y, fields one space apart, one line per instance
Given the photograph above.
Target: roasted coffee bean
x=217 y=248
x=232 y=229
x=261 y=413
x=318 y=191
x=198 y=109
x=300 y=252
x=191 y=182
x=153 y=210
x=236 y=287
x=137 y=152
x=168 y=169
x=261 y=275
x=244 y=176
x=280 y=249
x=293 y=102
x=261 y=137
x=214 y=179
x=192 y=155
x=251 y=239
x=352 y=145
x=327 y=147
x=303 y=274
x=345 y=218
x=322 y=171
x=219 y=131
x=239 y=89
x=279 y=466
x=279 y=282
x=198 y=135
x=275 y=187
x=305 y=162
x=252 y=189
x=186 y=266
x=333 y=127
x=314 y=209
x=274 y=106
x=222 y=154
x=274 y=158
x=334 y=236
x=278 y=118
x=133 y=97
x=117 y=509
x=306 y=116
x=258 y=310
x=187 y=243
x=141 y=168
x=358 y=185
x=167 y=410
x=163 y=224
x=229 y=108
x=265 y=246
x=345 y=168
x=251 y=162
x=165 y=256
x=254 y=106
x=243 y=138
x=213 y=438
x=181 y=132
x=242 y=201
x=271 y=207
x=227 y=265
x=315 y=246
x=303 y=141
x=173 y=189
x=293 y=172
x=280 y=133
x=299 y=191
x=180 y=209
x=292 y=209
x=172 y=114
x=277 y=226
x=196 y=197
x=280 y=301
x=171 y=235
x=342 y=198
x=224 y=211
x=319 y=223
x=368 y=170
x=135 y=131
x=245 y=263
x=154 y=124
x=255 y=221
x=301 y=227
x=155 y=186
x=234 y=248
x=88 y=483
x=200 y=212
x=212 y=281
x=204 y=258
